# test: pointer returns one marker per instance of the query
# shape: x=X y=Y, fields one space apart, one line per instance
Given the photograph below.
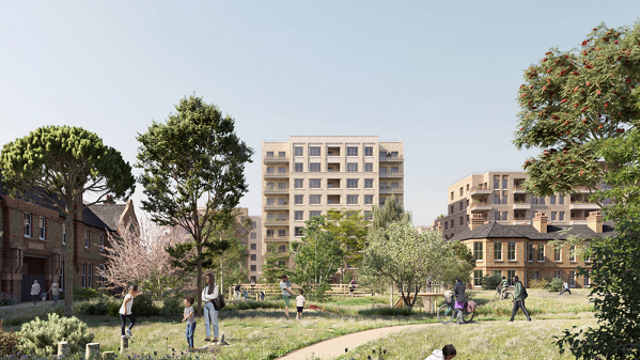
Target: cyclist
x=504 y=284
x=459 y=290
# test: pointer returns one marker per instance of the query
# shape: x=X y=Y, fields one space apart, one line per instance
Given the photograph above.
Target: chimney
x=594 y=221
x=109 y=200
x=476 y=221
x=539 y=222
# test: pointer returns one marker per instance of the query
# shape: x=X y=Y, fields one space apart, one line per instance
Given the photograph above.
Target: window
x=552 y=200
x=298 y=183
x=505 y=181
x=557 y=274
x=83 y=282
x=282 y=154
x=572 y=253
x=554 y=215
x=383 y=154
x=530 y=252
x=314 y=214
x=61 y=282
x=477 y=250
x=352 y=199
x=496 y=198
x=64 y=234
x=253 y=225
x=298 y=215
x=535 y=275
x=299 y=199
x=282 y=232
x=452 y=224
x=101 y=279
x=557 y=255
x=561 y=216
x=477 y=278
x=504 y=215
x=314 y=184
x=269 y=154
x=352 y=183
x=511 y=251
x=540 y=252
x=254 y=268
x=467 y=188
x=461 y=192
x=314 y=167
x=352 y=151
x=496 y=181
x=254 y=236
x=452 y=195
x=461 y=203
x=271 y=170
x=561 y=199
x=395 y=169
x=90 y=277
x=505 y=198
x=496 y=216
x=446 y=225
x=510 y=275
x=271 y=216
x=297 y=150
x=368 y=199
x=270 y=233
x=87 y=237
x=282 y=170
x=253 y=257
x=541 y=200
x=282 y=216
x=461 y=220
x=497 y=251
x=298 y=231
x=368 y=183
x=534 y=200
x=314 y=151
x=368 y=215
x=572 y=278
x=271 y=202
x=282 y=263
x=314 y=199
x=253 y=246
x=42 y=226
x=368 y=167
x=101 y=242
x=282 y=201
x=451 y=210
x=587 y=280
x=298 y=167
x=270 y=186
x=368 y=151
x=395 y=185
x=352 y=167
x=27 y=225
x=282 y=248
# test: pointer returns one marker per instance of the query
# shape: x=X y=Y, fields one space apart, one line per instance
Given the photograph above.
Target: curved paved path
x=331 y=348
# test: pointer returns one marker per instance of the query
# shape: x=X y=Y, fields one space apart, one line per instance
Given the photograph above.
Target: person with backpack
x=459 y=290
x=519 y=294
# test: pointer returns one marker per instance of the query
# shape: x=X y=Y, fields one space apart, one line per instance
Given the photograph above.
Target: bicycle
x=502 y=295
x=447 y=312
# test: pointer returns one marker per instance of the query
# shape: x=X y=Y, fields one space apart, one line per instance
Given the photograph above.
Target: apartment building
x=307 y=175
x=499 y=196
x=256 y=255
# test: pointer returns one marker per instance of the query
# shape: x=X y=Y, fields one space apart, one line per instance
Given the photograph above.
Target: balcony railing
x=277 y=221
x=476 y=204
x=480 y=188
x=276 y=157
x=520 y=218
x=518 y=187
x=276 y=188
x=578 y=218
x=390 y=156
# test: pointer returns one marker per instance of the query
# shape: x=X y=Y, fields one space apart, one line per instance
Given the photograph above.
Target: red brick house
x=33 y=241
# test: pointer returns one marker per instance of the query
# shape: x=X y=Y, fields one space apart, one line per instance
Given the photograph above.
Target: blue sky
x=442 y=76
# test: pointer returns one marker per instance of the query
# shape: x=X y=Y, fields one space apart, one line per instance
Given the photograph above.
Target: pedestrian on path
x=565 y=288
x=210 y=293
x=35 y=291
x=300 y=300
x=189 y=317
x=125 y=311
x=448 y=352
x=55 y=291
x=285 y=286
x=519 y=294
x=459 y=290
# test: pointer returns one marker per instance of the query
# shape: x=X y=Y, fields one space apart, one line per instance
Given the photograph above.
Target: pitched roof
x=103 y=216
x=495 y=230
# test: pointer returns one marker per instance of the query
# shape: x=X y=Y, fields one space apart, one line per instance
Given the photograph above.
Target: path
x=332 y=348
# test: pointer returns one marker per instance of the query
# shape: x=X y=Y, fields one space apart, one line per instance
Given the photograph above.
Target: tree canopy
x=350 y=229
x=56 y=165
x=387 y=214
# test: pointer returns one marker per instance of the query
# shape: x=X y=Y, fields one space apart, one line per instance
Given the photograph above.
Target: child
x=300 y=304
x=448 y=352
x=189 y=317
x=125 y=311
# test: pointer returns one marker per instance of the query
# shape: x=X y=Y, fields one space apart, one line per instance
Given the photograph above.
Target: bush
x=8 y=342
x=98 y=306
x=8 y=299
x=114 y=308
x=143 y=306
x=555 y=285
x=41 y=337
x=80 y=293
x=491 y=282
x=171 y=306
x=538 y=284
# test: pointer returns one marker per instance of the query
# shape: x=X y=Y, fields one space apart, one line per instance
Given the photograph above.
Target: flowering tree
x=140 y=258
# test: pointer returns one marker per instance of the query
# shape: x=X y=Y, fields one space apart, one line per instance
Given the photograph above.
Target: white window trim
x=102 y=241
x=30 y=235
x=44 y=223
x=87 y=239
x=554 y=254
x=64 y=234
x=89 y=276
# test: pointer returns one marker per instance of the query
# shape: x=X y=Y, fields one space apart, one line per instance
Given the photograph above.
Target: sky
x=440 y=75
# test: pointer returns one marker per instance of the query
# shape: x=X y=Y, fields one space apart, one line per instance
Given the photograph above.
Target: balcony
x=518 y=189
x=521 y=205
x=275 y=190
x=584 y=189
x=480 y=190
x=276 y=222
x=275 y=159
x=276 y=175
x=334 y=159
x=391 y=190
x=520 y=219
x=284 y=206
x=276 y=238
x=391 y=158
x=583 y=205
x=480 y=206
x=577 y=220
x=391 y=175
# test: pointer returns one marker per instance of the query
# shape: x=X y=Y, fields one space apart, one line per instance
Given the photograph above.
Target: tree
x=575 y=102
x=467 y=262
x=139 y=257
x=408 y=258
x=389 y=213
x=274 y=264
x=56 y=165
x=317 y=256
x=195 y=156
x=350 y=229
x=232 y=263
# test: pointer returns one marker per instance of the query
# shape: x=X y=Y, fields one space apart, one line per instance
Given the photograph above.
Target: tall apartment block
x=499 y=196
x=307 y=175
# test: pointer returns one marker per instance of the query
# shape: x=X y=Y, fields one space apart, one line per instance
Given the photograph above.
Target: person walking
x=565 y=288
x=300 y=304
x=237 y=290
x=459 y=290
x=245 y=293
x=55 y=291
x=285 y=286
x=189 y=317
x=125 y=311
x=448 y=352
x=209 y=293
x=519 y=294
x=35 y=292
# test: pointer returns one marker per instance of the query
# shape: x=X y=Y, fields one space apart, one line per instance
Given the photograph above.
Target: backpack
x=524 y=290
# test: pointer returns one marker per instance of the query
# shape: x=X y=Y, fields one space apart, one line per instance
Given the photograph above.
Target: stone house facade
x=524 y=250
x=33 y=241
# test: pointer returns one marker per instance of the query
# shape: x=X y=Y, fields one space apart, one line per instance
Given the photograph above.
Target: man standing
x=565 y=288
x=237 y=289
x=285 y=286
x=519 y=294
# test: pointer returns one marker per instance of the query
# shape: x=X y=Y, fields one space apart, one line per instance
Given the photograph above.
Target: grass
x=479 y=341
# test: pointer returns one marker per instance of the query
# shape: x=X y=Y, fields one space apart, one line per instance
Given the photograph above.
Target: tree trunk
x=68 y=260
x=199 y=292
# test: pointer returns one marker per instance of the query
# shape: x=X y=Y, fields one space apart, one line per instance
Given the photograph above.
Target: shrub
x=97 y=306
x=41 y=337
x=8 y=299
x=491 y=282
x=114 y=308
x=555 y=285
x=143 y=306
x=171 y=306
x=8 y=342
x=538 y=284
x=80 y=293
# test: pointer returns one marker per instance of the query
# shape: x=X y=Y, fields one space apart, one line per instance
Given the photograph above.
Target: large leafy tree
x=232 y=263
x=390 y=212
x=194 y=157
x=571 y=102
x=275 y=264
x=317 y=256
x=350 y=228
x=55 y=166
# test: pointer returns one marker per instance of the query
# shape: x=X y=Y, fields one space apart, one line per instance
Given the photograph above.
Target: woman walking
x=459 y=290
x=209 y=293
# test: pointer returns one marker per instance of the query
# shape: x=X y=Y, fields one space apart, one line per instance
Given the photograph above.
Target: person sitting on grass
x=189 y=317
x=125 y=311
x=448 y=352
x=300 y=304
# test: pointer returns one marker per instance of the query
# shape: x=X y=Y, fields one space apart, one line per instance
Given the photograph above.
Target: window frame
x=27 y=225
x=87 y=239
x=313 y=150
x=298 y=167
x=352 y=167
x=297 y=231
x=298 y=197
x=351 y=197
x=514 y=250
x=541 y=254
x=478 y=249
x=102 y=242
x=83 y=282
x=315 y=199
x=300 y=181
x=557 y=255
x=368 y=151
x=42 y=228
x=367 y=182
x=367 y=198
x=351 y=185
x=314 y=182
x=315 y=167
x=352 y=151
x=296 y=217
x=368 y=167
x=497 y=250
x=477 y=280
x=89 y=275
